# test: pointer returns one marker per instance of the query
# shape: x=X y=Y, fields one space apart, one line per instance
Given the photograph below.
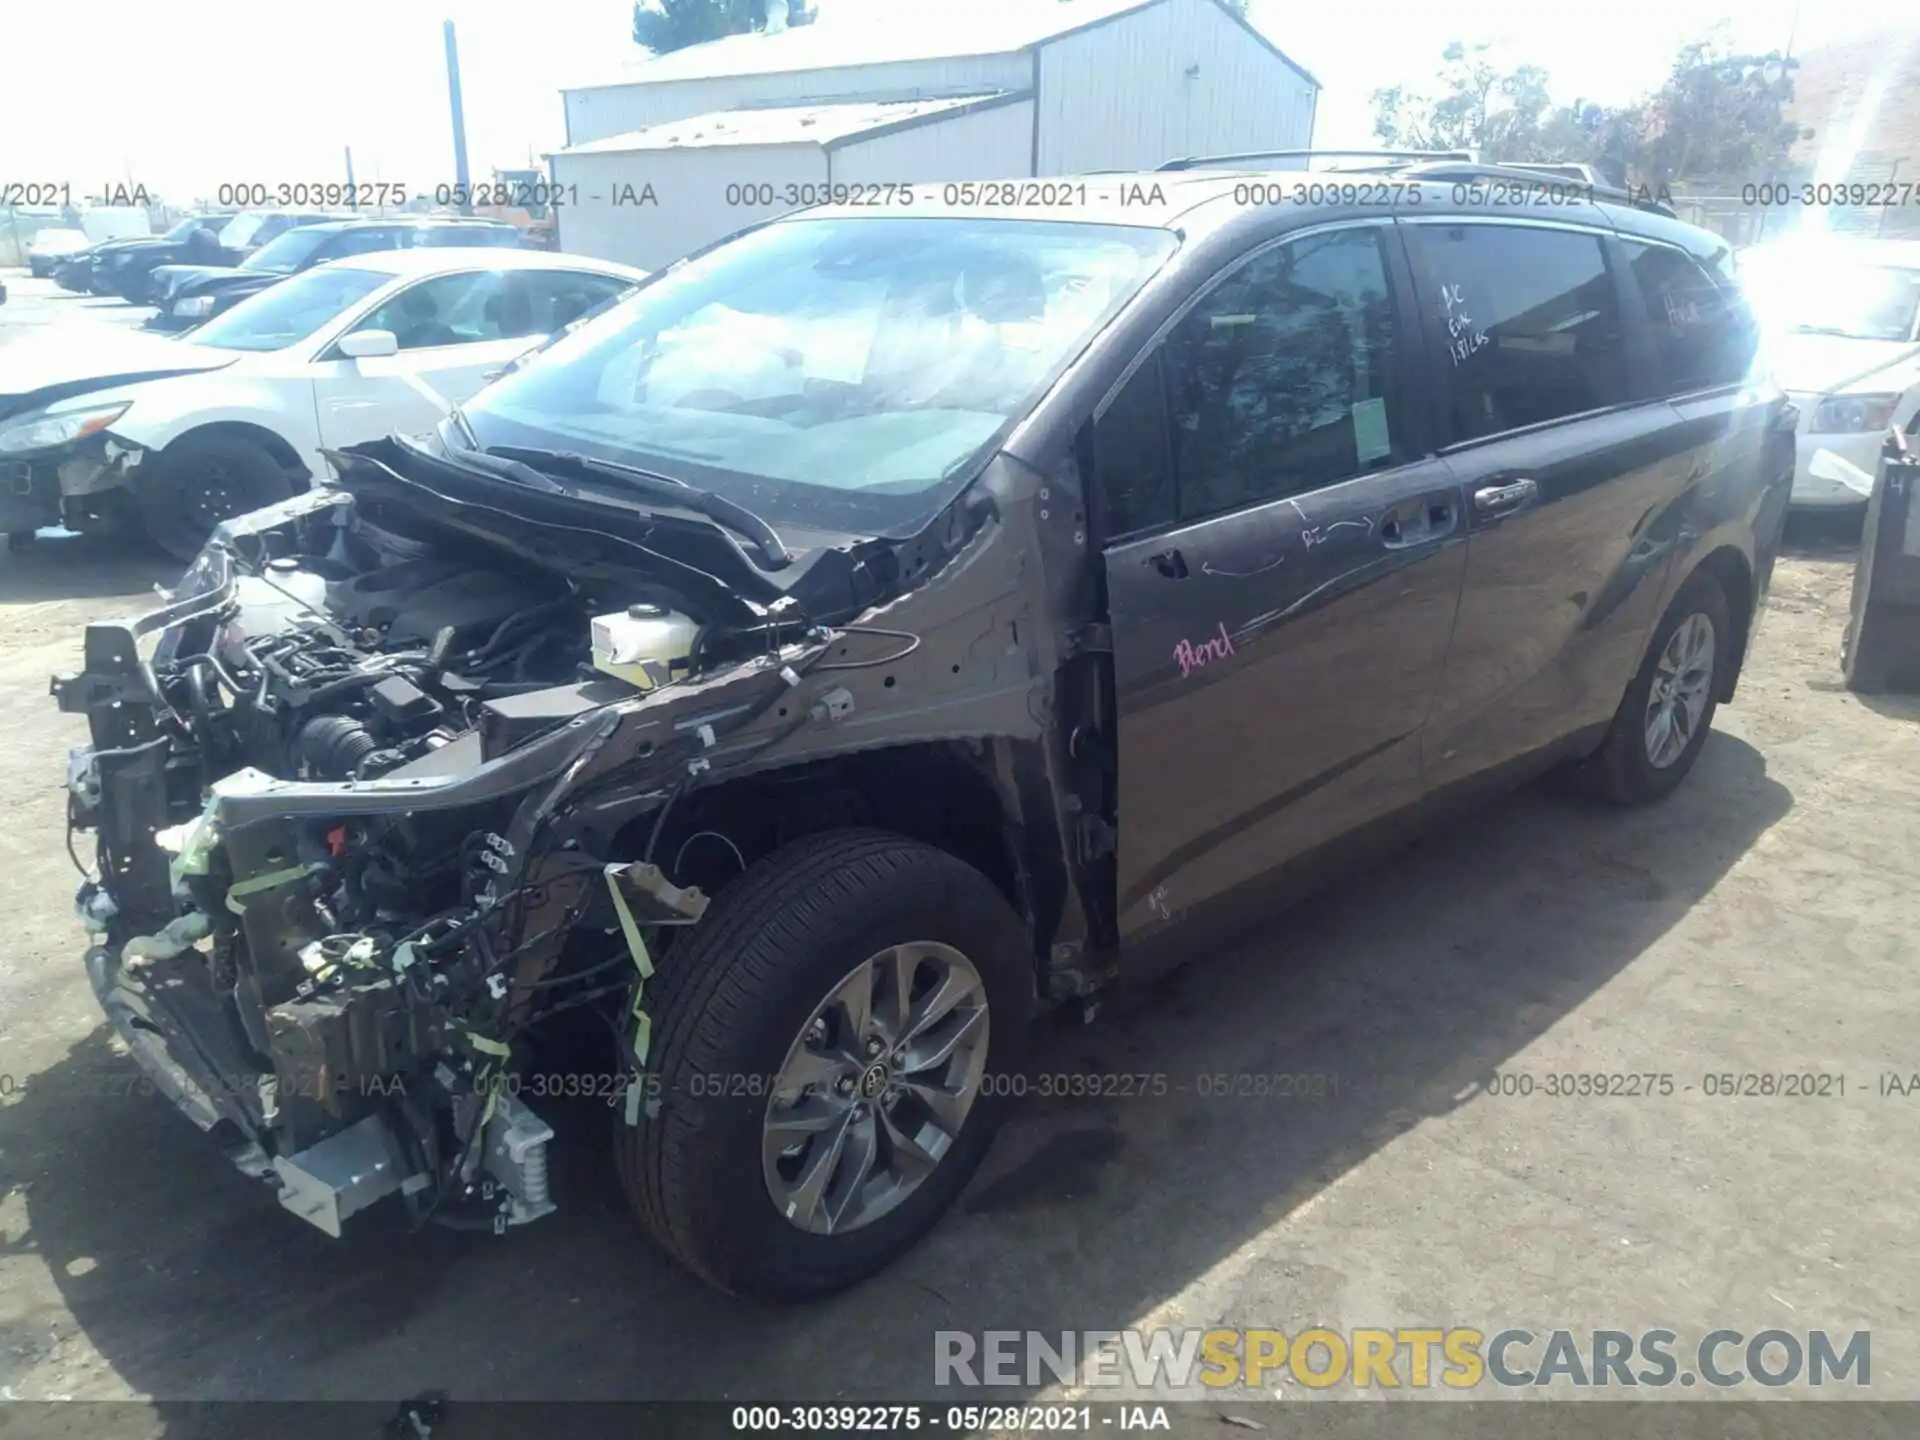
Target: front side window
x=852 y=372
x=1701 y=330
x=1132 y=467
x=462 y=309
x=459 y=310
x=1282 y=379
x=289 y=311
x=1529 y=327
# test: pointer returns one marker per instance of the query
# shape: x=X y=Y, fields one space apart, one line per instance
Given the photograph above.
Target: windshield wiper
x=1841 y=331
x=717 y=508
x=499 y=467
x=459 y=418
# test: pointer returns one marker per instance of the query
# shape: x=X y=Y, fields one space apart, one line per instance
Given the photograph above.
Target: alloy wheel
x=875 y=1088
x=1682 y=685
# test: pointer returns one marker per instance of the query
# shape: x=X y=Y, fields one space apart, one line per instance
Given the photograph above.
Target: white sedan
x=1843 y=329
x=176 y=433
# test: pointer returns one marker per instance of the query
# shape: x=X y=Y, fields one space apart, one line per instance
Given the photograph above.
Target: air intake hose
x=332 y=747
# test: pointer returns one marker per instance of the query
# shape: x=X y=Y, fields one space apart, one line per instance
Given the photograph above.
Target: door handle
x=1170 y=563
x=1499 y=499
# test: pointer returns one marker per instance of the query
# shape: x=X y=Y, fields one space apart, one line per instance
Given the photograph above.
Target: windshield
x=184 y=230
x=288 y=253
x=288 y=312
x=1816 y=295
x=845 y=373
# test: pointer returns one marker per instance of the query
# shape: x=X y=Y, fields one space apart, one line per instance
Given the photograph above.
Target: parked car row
x=222 y=239
x=870 y=630
x=105 y=429
x=48 y=246
x=189 y=294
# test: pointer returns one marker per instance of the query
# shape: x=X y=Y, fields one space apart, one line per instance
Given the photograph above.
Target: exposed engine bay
x=385 y=796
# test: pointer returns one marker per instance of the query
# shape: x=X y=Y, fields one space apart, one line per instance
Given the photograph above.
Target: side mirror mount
x=369 y=344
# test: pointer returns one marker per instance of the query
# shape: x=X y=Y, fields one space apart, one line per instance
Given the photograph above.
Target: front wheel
x=1663 y=720
x=202 y=480
x=825 y=1045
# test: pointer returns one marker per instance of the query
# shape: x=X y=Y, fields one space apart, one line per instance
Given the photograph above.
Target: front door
x=452 y=337
x=1283 y=573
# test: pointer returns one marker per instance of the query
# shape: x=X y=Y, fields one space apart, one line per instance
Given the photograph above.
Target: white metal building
x=685 y=148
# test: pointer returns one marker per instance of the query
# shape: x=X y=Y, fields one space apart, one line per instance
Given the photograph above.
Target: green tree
x=664 y=25
x=1719 y=118
x=1477 y=106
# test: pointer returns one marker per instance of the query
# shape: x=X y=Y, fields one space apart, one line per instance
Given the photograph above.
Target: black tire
x=201 y=480
x=1622 y=769
x=20 y=539
x=731 y=998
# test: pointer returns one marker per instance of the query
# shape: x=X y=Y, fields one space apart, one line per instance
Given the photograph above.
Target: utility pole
x=459 y=122
x=353 y=194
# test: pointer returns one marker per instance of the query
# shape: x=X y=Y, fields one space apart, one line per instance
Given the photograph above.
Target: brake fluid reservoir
x=645 y=645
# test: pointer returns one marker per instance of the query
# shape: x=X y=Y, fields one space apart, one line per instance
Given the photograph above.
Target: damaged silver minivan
x=880 y=625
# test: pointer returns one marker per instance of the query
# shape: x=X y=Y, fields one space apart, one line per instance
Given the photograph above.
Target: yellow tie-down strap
x=643 y=962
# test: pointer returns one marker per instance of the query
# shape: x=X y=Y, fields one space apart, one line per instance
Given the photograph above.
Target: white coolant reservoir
x=644 y=645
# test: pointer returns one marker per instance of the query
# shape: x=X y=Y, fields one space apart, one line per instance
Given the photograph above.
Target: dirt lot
x=1760 y=921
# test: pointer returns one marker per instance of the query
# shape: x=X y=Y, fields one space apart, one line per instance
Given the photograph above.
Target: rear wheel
x=202 y=480
x=823 y=1043
x=1663 y=720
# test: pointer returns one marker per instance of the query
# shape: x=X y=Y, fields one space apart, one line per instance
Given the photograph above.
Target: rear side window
x=1702 y=330
x=1528 y=322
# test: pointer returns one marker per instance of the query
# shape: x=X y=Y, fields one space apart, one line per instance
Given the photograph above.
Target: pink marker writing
x=1194 y=657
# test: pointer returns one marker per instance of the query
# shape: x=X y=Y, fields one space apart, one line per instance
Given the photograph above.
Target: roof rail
x=1535 y=175
x=1389 y=157
x=1565 y=170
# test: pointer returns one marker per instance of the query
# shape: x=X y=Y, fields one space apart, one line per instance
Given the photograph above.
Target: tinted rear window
x=1701 y=330
x=1528 y=322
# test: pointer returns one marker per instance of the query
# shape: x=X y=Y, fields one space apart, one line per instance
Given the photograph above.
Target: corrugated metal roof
x=875 y=32
x=790 y=125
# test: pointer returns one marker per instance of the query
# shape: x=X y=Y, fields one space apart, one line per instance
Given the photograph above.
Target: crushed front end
x=367 y=813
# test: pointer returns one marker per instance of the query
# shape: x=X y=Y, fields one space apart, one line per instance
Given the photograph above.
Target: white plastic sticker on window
x=1370 y=438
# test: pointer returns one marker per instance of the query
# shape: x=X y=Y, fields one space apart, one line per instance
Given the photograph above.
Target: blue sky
x=184 y=95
